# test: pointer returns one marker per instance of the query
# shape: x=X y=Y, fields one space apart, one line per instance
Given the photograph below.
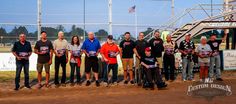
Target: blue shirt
x=91 y=46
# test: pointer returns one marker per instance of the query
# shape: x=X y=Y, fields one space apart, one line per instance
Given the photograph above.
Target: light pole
x=84 y=20
x=39 y=18
x=110 y=16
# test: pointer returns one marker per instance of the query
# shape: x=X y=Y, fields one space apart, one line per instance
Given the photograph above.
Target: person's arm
x=120 y=52
x=136 y=53
x=30 y=50
x=145 y=65
x=117 y=50
x=224 y=38
x=14 y=52
x=176 y=48
x=99 y=48
x=55 y=51
x=181 y=49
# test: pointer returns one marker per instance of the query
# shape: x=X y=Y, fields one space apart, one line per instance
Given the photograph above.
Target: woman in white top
x=204 y=52
x=75 y=59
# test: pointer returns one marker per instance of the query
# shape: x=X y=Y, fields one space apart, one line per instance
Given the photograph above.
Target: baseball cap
x=148 y=49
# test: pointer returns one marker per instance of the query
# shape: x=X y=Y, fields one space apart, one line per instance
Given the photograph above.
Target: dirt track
x=129 y=94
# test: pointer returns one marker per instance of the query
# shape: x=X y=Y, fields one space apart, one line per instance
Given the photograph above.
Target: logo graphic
x=209 y=89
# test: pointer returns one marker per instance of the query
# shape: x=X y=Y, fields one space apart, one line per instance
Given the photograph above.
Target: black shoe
x=16 y=89
x=132 y=82
x=57 y=85
x=88 y=83
x=78 y=83
x=219 y=79
x=63 y=85
x=139 y=84
x=28 y=87
x=161 y=85
x=151 y=86
x=72 y=84
x=126 y=82
x=97 y=83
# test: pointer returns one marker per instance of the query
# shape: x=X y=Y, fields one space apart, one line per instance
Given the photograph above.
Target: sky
x=149 y=12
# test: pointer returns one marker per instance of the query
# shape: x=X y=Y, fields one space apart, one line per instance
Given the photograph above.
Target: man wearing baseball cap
x=186 y=48
x=151 y=70
x=109 y=51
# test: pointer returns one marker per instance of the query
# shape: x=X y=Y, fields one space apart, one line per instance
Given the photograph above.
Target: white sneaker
x=115 y=83
x=105 y=83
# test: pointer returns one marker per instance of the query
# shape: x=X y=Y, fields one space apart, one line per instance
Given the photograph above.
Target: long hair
x=72 y=42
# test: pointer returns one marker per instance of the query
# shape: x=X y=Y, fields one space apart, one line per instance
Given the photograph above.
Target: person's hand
x=185 y=53
x=50 y=62
x=106 y=60
x=97 y=54
x=58 y=55
x=139 y=57
x=18 y=58
x=147 y=66
x=201 y=56
x=66 y=60
x=87 y=54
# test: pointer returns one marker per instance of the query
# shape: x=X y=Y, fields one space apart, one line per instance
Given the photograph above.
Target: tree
x=2 y=32
x=60 y=28
x=149 y=30
x=101 y=34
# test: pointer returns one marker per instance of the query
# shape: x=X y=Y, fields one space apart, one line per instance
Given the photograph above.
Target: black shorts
x=91 y=63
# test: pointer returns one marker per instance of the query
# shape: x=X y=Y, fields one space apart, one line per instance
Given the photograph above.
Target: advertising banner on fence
x=8 y=62
x=229 y=59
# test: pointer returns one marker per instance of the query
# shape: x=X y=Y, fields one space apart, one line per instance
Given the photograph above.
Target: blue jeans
x=187 y=65
x=19 y=65
x=215 y=61
x=74 y=68
x=114 y=68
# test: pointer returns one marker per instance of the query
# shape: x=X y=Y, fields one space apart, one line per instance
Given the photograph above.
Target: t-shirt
x=215 y=46
x=156 y=46
x=109 y=52
x=149 y=60
x=127 y=47
x=45 y=48
x=60 y=46
x=91 y=47
x=75 y=52
x=205 y=51
x=170 y=48
x=22 y=50
x=140 y=45
x=187 y=47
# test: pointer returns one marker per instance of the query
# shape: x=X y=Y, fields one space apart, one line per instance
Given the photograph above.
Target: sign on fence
x=8 y=62
x=229 y=59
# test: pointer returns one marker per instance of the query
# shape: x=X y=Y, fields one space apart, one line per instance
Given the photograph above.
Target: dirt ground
x=126 y=94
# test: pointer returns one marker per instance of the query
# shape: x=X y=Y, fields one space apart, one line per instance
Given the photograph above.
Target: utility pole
x=39 y=18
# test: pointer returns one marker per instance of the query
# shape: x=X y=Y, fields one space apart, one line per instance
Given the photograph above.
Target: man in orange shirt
x=109 y=51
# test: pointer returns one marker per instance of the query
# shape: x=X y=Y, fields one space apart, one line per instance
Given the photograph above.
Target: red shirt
x=109 y=51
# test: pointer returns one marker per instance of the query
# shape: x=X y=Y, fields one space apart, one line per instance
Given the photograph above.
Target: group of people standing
x=147 y=55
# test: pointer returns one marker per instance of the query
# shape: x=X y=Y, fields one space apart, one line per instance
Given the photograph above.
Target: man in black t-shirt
x=215 y=57
x=157 y=47
x=151 y=70
x=22 y=51
x=127 y=50
x=140 y=46
x=44 y=49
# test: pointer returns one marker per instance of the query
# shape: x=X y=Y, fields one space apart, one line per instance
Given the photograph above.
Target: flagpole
x=136 y=22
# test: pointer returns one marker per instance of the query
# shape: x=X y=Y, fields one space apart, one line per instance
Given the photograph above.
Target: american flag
x=132 y=9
